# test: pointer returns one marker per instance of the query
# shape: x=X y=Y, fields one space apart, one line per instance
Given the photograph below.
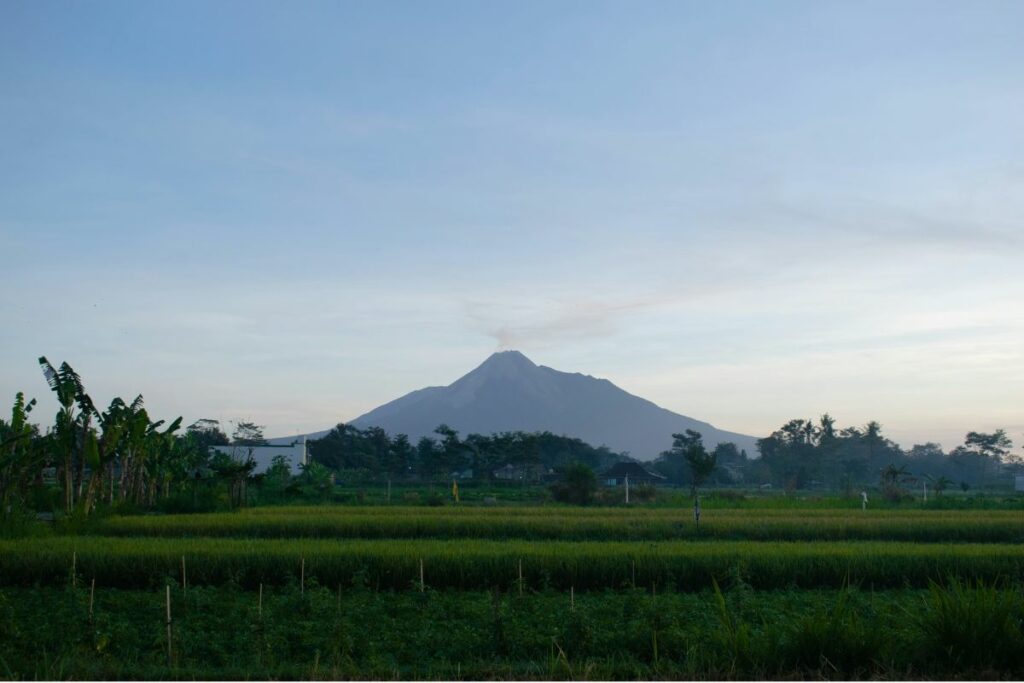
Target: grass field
x=519 y=592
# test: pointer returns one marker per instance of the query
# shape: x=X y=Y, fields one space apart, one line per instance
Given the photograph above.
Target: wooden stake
x=74 y=570
x=422 y=585
x=168 y=624
x=572 y=598
x=92 y=598
x=520 y=577
x=302 y=579
x=339 y=598
x=259 y=606
x=184 y=576
x=634 y=573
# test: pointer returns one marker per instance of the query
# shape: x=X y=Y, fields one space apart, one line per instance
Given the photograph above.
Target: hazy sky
x=744 y=211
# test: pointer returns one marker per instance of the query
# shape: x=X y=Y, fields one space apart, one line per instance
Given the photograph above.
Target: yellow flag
x=455 y=490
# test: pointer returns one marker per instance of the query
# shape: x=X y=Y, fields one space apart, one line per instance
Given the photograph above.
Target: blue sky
x=746 y=212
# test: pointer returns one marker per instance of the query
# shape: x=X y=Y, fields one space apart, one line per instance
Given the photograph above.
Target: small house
x=617 y=474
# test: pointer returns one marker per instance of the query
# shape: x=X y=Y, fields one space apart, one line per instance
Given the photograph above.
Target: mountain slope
x=508 y=392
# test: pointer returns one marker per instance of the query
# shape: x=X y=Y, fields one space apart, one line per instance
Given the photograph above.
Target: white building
x=294 y=453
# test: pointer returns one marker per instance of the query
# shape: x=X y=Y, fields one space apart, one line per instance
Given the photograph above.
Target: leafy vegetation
x=321 y=632
x=484 y=564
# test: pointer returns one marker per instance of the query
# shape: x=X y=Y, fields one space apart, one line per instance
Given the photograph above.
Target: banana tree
x=165 y=451
x=21 y=460
x=102 y=451
x=939 y=484
x=68 y=427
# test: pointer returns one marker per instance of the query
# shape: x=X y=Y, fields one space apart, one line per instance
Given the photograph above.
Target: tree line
x=120 y=455
x=369 y=452
x=809 y=454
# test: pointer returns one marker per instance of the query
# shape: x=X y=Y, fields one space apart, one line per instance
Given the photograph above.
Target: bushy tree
x=700 y=462
x=578 y=485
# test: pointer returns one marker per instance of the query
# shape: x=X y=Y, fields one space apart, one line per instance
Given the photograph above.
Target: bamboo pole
x=168 y=625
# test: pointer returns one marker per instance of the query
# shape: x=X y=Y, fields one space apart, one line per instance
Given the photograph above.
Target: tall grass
x=973 y=625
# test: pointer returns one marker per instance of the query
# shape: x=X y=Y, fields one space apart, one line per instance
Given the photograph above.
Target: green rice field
x=584 y=524
x=518 y=592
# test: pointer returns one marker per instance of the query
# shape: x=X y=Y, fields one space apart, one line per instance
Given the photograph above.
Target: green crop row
x=481 y=564
x=555 y=524
x=954 y=632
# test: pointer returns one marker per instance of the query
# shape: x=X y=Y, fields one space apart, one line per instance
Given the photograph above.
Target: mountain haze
x=508 y=392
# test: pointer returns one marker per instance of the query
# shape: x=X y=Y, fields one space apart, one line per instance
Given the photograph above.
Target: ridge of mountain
x=509 y=392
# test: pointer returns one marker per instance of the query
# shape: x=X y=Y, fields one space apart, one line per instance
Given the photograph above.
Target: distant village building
x=294 y=453
x=617 y=473
x=734 y=471
x=511 y=472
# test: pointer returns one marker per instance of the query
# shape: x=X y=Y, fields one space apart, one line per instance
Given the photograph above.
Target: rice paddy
x=584 y=524
x=519 y=592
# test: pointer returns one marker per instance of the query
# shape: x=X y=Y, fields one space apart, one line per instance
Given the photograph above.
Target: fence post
x=168 y=587
x=92 y=597
x=422 y=585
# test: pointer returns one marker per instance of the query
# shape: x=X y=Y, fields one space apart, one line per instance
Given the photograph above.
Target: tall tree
x=996 y=445
x=701 y=463
x=248 y=434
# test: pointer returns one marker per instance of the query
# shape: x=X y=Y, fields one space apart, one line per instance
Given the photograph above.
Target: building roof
x=629 y=469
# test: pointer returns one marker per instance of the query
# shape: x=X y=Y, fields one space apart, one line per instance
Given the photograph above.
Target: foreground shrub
x=973 y=626
x=832 y=639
